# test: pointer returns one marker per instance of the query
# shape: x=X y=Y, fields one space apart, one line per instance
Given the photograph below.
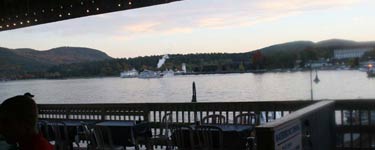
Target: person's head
x=18 y=116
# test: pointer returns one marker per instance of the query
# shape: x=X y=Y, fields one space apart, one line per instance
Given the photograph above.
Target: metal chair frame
x=208 y=136
x=103 y=139
x=214 y=119
x=246 y=119
x=60 y=135
x=164 y=134
x=182 y=136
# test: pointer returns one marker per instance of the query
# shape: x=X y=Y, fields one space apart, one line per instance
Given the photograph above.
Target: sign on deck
x=288 y=136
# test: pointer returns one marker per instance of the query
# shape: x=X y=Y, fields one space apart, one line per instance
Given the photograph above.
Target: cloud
x=141 y=27
x=304 y=5
x=187 y=16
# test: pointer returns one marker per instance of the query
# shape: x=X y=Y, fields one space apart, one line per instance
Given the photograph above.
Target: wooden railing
x=354 y=119
x=355 y=122
x=153 y=112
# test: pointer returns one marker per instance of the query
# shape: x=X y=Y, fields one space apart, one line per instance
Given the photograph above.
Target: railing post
x=67 y=113
x=102 y=113
x=146 y=114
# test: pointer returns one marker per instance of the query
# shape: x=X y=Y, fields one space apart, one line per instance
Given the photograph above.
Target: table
x=73 y=130
x=124 y=133
x=234 y=136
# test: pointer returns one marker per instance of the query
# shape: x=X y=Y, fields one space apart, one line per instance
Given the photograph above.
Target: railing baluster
x=351 y=125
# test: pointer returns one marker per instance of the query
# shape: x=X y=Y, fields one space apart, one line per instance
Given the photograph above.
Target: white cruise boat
x=147 y=74
x=129 y=74
x=168 y=73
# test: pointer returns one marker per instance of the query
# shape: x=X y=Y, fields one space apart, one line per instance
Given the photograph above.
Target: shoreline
x=192 y=73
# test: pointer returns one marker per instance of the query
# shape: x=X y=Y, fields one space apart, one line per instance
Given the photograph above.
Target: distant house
x=350 y=53
x=317 y=64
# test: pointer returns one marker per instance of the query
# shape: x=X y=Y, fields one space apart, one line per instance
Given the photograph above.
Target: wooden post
x=194 y=99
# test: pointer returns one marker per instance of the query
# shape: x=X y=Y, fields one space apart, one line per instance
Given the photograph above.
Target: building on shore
x=350 y=53
x=321 y=63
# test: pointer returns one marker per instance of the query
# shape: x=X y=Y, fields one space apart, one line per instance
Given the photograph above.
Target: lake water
x=210 y=88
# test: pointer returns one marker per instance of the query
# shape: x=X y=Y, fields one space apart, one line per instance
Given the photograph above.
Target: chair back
x=246 y=119
x=164 y=126
x=182 y=136
x=44 y=129
x=103 y=137
x=88 y=134
x=214 y=119
x=209 y=137
x=60 y=135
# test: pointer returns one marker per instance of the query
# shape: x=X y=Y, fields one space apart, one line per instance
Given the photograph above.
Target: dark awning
x=23 y=13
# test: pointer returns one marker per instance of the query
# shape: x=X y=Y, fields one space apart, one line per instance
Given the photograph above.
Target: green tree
x=241 y=67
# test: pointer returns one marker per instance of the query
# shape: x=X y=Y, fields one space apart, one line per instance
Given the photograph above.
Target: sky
x=204 y=26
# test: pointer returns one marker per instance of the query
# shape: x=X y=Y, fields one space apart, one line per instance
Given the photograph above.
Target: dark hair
x=19 y=108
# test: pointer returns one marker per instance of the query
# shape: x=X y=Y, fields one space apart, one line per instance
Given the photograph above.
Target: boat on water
x=371 y=71
x=168 y=73
x=129 y=74
x=148 y=74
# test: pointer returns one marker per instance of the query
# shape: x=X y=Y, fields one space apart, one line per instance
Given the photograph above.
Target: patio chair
x=208 y=138
x=60 y=136
x=246 y=119
x=87 y=136
x=163 y=138
x=214 y=119
x=182 y=136
x=44 y=129
x=103 y=139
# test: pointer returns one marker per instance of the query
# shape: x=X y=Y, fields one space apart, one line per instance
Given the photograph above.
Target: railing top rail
x=298 y=114
x=340 y=101
x=207 y=106
x=355 y=104
x=189 y=103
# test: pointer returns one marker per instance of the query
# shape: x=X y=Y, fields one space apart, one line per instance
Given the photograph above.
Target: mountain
x=340 y=43
x=298 y=46
x=63 y=55
x=290 y=47
x=13 y=61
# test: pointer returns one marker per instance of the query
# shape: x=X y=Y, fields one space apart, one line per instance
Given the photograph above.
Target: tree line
x=199 y=63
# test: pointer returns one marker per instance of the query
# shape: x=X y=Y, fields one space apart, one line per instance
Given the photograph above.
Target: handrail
x=144 y=110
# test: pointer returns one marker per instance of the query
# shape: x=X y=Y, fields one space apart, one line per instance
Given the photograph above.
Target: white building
x=350 y=53
x=317 y=64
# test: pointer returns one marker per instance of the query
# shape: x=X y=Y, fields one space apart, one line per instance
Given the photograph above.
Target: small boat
x=148 y=74
x=371 y=71
x=168 y=73
x=129 y=74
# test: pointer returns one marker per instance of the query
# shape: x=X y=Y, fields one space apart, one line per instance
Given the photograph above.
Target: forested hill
x=18 y=62
x=276 y=56
x=62 y=55
x=68 y=62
